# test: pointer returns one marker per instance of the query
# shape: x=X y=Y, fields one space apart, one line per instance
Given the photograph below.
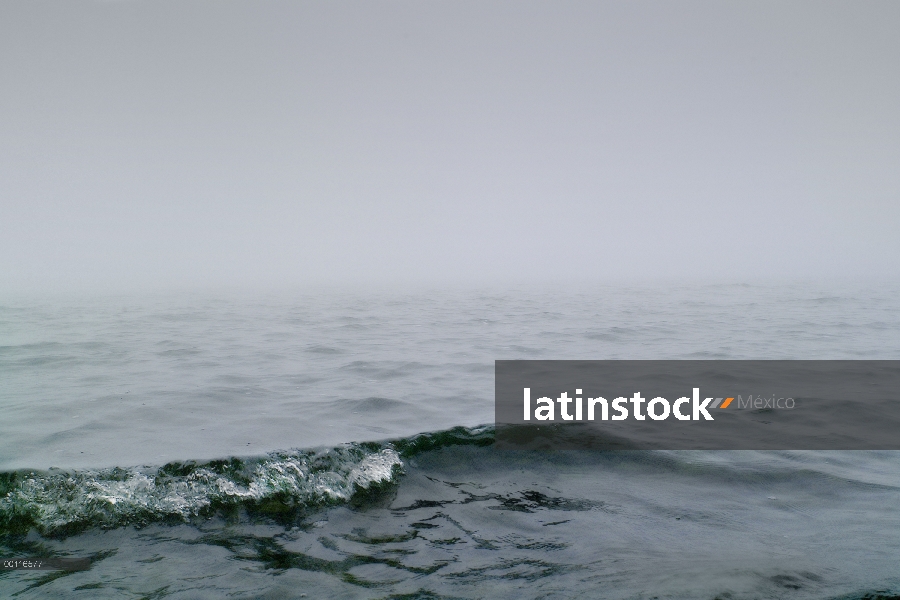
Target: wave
x=60 y=503
x=288 y=485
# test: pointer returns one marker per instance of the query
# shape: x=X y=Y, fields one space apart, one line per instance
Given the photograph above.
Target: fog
x=159 y=144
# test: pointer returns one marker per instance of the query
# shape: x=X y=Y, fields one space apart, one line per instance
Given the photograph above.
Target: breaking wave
x=60 y=502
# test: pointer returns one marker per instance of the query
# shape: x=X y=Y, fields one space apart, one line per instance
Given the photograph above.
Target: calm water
x=118 y=413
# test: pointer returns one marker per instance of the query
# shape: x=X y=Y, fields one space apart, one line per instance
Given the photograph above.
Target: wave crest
x=60 y=503
x=69 y=501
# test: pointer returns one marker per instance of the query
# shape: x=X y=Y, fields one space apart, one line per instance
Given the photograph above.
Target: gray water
x=288 y=387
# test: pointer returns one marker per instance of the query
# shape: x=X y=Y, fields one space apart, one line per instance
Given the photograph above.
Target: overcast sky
x=150 y=143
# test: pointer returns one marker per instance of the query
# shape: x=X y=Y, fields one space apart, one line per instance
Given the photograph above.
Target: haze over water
x=134 y=380
x=447 y=184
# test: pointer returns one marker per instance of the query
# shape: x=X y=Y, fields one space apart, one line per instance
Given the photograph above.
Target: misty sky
x=150 y=143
